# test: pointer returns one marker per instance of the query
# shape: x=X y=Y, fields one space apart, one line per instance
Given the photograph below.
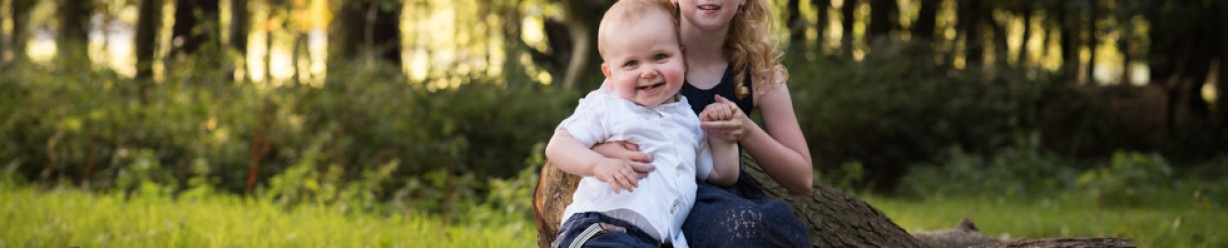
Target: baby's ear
x=605 y=69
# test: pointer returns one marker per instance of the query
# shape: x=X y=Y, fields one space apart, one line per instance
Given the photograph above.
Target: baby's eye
x=660 y=56
x=631 y=63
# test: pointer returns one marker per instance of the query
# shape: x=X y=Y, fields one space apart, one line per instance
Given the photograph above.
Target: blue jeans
x=742 y=216
x=598 y=230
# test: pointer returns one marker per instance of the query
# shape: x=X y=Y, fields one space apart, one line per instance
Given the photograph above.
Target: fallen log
x=835 y=218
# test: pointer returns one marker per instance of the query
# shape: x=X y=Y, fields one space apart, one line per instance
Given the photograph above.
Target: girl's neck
x=704 y=47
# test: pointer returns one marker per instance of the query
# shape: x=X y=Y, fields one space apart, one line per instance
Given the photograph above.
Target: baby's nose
x=649 y=73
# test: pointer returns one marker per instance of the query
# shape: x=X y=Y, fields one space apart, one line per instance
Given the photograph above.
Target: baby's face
x=644 y=59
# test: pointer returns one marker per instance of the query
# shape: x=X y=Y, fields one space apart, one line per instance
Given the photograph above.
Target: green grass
x=71 y=218
x=35 y=217
x=1170 y=226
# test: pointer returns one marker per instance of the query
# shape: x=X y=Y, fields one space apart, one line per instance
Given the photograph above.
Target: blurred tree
x=74 y=26
x=1025 y=10
x=884 y=18
x=797 y=25
x=194 y=23
x=367 y=29
x=148 y=20
x=823 y=19
x=927 y=16
x=1186 y=36
x=1067 y=24
x=20 y=33
x=1093 y=14
x=583 y=17
x=848 y=12
x=240 y=25
x=969 y=25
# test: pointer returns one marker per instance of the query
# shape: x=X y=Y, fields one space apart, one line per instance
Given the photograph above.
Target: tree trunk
x=835 y=218
x=367 y=30
x=583 y=18
x=240 y=26
x=1069 y=45
x=345 y=37
x=823 y=19
x=74 y=27
x=969 y=24
x=797 y=27
x=1026 y=11
x=191 y=17
x=20 y=35
x=884 y=16
x=1092 y=13
x=1123 y=46
x=1000 y=48
x=383 y=32
x=847 y=13
x=148 y=21
x=927 y=16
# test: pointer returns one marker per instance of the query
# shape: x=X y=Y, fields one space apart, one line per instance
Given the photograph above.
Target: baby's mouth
x=650 y=86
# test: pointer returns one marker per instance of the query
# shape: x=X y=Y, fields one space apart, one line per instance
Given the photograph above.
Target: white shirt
x=670 y=133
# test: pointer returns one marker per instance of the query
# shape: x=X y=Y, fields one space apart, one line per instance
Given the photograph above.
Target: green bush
x=367 y=135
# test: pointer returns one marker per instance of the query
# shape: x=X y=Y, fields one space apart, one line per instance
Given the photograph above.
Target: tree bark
x=367 y=30
x=148 y=21
x=583 y=18
x=835 y=218
x=74 y=27
x=926 y=22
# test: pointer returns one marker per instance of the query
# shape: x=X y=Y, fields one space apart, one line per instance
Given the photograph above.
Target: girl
x=730 y=56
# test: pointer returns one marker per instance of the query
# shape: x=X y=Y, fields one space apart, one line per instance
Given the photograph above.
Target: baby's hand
x=621 y=174
x=723 y=120
x=719 y=111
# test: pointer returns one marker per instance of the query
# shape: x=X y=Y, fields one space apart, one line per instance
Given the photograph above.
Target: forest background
x=399 y=122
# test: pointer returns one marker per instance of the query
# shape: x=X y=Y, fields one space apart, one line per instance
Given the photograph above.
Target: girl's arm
x=779 y=147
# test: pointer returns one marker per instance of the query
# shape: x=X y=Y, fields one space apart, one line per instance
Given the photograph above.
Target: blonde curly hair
x=750 y=41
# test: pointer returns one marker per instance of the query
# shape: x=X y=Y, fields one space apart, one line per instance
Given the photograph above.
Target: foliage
x=1022 y=171
x=367 y=135
x=898 y=107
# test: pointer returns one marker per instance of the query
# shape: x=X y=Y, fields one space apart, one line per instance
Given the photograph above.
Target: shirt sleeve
x=586 y=124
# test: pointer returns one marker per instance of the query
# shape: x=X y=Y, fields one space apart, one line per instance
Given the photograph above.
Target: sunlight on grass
x=69 y=218
x=1073 y=217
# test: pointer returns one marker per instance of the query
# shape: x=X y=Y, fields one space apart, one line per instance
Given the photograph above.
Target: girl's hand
x=622 y=150
x=620 y=174
x=723 y=120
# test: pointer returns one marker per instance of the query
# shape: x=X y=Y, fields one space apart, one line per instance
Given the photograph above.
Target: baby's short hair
x=630 y=10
